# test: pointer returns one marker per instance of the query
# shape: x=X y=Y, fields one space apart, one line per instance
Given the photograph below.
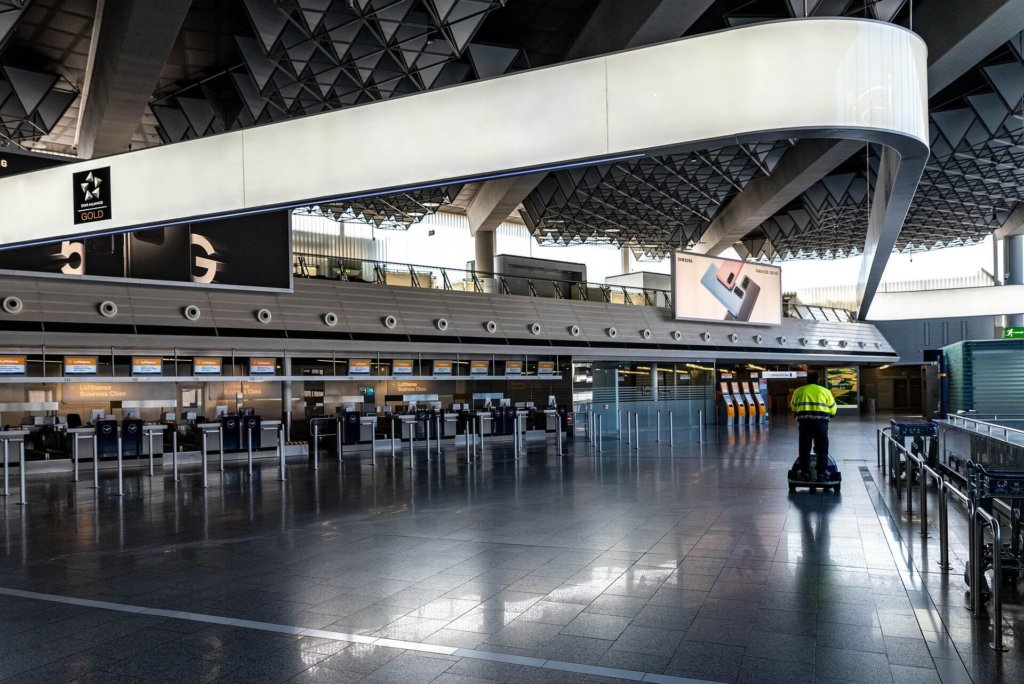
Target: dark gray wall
x=910 y=338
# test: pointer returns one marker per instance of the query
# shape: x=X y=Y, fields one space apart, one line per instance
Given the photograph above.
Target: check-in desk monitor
x=728 y=404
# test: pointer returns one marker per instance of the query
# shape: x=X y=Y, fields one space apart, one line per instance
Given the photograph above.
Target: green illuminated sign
x=1013 y=333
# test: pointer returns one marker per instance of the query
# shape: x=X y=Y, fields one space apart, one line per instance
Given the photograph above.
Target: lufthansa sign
x=92 y=195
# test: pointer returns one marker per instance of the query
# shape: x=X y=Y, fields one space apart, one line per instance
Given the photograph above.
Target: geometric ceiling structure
x=652 y=205
x=973 y=181
x=388 y=212
x=310 y=56
x=241 y=63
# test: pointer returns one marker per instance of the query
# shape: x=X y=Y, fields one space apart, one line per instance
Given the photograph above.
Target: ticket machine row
x=742 y=404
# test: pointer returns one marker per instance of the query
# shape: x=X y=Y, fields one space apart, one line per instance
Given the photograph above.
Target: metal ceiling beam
x=961 y=34
x=617 y=25
x=1014 y=225
x=131 y=50
x=804 y=164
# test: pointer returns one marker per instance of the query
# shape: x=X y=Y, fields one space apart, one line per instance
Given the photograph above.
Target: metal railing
x=888 y=459
x=394 y=274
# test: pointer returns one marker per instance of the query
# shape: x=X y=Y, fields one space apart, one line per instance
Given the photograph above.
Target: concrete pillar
x=654 y=382
x=625 y=259
x=484 y=241
x=286 y=398
x=1013 y=270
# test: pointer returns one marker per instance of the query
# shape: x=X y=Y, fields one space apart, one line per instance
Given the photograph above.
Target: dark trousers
x=814 y=432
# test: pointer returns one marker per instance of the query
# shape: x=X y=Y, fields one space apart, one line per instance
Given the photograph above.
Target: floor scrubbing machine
x=833 y=478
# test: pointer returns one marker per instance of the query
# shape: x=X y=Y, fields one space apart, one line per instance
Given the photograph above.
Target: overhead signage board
x=778 y=375
x=262 y=366
x=513 y=368
x=401 y=367
x=727 y=376
x=12 y=365
x=359 y=366
x=147 y=365
x=92 y=192
x=80 y=365
x=545 y=368
x=482 y=367
x=443 y=367
x=207 y=365
x=712 y=289
x=1013 y=333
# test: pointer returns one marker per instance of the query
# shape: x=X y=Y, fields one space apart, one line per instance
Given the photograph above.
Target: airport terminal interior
x=468 y=341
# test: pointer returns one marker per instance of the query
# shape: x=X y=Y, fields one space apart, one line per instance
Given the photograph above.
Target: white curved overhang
x=832 y=78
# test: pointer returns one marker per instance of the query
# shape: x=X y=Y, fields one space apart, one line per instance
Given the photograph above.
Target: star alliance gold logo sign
x=92 y=195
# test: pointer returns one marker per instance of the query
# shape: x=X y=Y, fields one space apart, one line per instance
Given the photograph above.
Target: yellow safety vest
x=813 y=402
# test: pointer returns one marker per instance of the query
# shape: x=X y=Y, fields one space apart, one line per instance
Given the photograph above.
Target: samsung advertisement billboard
x=712 y=289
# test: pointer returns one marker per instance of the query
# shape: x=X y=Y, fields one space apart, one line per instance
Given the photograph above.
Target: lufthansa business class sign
x=92 y=195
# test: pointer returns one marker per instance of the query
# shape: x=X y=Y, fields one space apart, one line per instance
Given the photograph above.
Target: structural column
x=1013 y=270
x=286 y=398
x=484 y=242
x=654 y=382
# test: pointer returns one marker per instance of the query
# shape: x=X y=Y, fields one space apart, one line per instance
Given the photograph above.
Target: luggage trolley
x=984 y=485
x=924 y=443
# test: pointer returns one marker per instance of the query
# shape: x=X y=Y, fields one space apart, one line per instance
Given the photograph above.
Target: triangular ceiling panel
x=30 y=86
x=491 y=60
x=268 y=21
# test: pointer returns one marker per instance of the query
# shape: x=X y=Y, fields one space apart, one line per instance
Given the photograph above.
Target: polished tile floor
x=689 y=563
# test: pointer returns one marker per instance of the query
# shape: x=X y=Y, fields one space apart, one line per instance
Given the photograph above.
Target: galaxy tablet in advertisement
x=713 y=289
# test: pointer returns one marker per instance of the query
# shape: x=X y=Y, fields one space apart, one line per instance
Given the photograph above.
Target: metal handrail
x=632 y=296
x=964 y=421
x=997 y=573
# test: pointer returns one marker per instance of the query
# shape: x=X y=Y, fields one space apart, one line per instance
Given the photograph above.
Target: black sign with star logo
x=92 y=195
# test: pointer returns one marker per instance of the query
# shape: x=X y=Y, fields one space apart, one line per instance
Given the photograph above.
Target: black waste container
x=231 y=427
x=131 y=437
x=106 y=438
x=251 y=426
x=350 y=428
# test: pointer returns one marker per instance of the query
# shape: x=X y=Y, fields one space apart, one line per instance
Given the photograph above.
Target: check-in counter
x=212 y=431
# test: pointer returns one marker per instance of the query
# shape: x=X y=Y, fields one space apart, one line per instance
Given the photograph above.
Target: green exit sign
x=1013 y=333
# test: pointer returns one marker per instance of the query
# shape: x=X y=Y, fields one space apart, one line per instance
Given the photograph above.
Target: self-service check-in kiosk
x=760 y=408
x=744 y=399
x=729 y=407
x=740 y=403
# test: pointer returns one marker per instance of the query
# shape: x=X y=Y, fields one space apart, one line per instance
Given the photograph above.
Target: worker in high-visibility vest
x=814 y=406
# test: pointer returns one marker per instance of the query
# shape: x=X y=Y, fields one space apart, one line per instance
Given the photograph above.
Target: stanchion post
x=923 y=488
x=657 y=434
x=636 y=429
x=283 y=474
x=95 y=463
x=220 y=437
x=337 y=435
x=997 y=586
x=392 y=419
x=671 y=430
x=426 y=434
x=316 y=446
x=468 y=434
x=7 y=490
x=248 y=429
x=943 y=527
x=21 y=456
x=600 y=432
x=373 y=442
x=206 y=482
x=174 y=451
x=910 y=488
x=149 y=435
x=437 y=434
x=629 y=427
x=120 y=465
x=74 y=456
x=700 y=426
x=559 y=433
